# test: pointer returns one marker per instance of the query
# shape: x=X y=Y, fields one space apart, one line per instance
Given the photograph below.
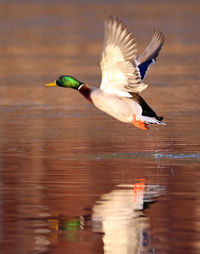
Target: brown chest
x=86 y=92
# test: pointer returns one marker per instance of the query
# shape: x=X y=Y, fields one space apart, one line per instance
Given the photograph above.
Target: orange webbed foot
x=139 y=124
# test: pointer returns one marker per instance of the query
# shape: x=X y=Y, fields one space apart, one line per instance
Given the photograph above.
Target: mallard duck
x=122 y=74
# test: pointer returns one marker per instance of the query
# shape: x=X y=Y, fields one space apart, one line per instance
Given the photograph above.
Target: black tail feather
x=146 y=110
x=159 y=118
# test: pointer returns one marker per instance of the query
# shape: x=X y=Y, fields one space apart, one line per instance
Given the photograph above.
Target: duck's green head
x=66 y=81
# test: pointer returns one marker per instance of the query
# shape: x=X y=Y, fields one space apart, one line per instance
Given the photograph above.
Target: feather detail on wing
x=120 y=74
x=151 y=52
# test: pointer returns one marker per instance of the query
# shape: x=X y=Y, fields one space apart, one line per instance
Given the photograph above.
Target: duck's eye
x=58 y=81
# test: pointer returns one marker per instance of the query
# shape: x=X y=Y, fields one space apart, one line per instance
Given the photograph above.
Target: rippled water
x=74 y=180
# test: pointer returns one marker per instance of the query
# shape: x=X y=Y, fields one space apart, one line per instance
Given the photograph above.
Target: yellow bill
x=52 y=84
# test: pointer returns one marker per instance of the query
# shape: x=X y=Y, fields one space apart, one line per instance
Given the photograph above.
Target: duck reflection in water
x=119 y=215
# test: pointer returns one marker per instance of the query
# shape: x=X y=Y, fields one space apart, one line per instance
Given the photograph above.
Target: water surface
x=74 y=180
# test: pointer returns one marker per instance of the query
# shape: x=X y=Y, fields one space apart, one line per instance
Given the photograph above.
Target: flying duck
x=122 y=77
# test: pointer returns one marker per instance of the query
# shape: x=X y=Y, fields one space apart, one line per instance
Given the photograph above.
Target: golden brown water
x=74 y=180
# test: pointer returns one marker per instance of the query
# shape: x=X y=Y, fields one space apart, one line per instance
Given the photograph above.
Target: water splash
x=177 y=156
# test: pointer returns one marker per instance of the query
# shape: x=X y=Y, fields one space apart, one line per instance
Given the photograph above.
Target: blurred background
x=73 y=179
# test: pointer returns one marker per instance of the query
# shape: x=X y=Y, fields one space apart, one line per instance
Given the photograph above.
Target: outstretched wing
x=150 y=53
x=120 y=74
